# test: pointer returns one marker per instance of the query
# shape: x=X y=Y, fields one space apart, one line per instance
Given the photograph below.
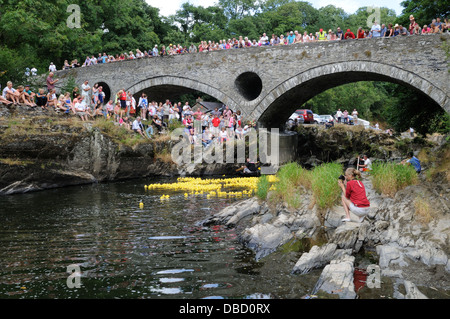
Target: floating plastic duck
x=214 y=187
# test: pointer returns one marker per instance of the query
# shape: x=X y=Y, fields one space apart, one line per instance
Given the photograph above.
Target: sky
x=169 y=7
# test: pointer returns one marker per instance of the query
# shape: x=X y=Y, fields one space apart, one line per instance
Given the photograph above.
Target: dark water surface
x=127 y=252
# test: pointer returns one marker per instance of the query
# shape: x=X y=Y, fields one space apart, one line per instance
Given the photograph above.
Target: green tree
x=237 y=9
x=424 y=11
x=331 y=17
x=198 y=23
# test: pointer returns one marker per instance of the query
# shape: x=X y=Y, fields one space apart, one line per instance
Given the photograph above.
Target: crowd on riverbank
x=145 y=117
x=292 y=37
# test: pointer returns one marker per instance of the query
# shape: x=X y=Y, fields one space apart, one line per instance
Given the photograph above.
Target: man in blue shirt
x=414 y=161
x=291 y=37
x=376 y=30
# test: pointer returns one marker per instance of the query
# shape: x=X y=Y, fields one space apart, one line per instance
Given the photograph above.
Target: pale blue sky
x=168 y=7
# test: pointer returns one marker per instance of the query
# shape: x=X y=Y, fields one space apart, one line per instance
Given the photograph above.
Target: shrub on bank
x=389 y=178
x=293 y=179
x=324 y=184
x=262 y=187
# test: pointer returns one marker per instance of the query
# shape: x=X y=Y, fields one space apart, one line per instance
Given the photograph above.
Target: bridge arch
x=276 y=107
x=162 y=81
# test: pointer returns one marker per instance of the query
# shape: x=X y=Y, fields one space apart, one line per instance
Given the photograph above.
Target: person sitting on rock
x=4 y=100
x=354 y=197
x=22 y=97
x=11 y=94
x=249 y=167
x=41 y=99
x=138 y=127
x=366 y=166
x=52 y=100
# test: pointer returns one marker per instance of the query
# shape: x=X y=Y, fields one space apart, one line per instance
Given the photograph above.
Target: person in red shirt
x=361 y=34
x=354 y=197
x=215 y=122
x=349 y=34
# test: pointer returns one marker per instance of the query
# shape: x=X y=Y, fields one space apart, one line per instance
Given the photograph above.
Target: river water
x=124 y=251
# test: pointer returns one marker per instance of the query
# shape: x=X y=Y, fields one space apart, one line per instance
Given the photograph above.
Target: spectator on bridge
x=383 y=30
x=322 y=35
x=437 y=25
x=412 y=24
x=417 y=30
x=445 y=25
x=360 y=33
x=389 y=32
x=402 y=30
x=264 y=38
x=331 y=36
x=305 y=37
x=349 y=35
x=291 y=37
x=376 y=30
x=192 y=48
x=339 y=34
x=298 y=37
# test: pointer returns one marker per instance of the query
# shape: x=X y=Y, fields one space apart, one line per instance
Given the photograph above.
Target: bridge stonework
x=268 y=83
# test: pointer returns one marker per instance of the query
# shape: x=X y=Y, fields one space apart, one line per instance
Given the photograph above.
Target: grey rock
x=318 y=257
x=337 y=278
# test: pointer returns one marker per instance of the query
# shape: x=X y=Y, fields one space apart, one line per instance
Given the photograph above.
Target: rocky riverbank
x=411 y=256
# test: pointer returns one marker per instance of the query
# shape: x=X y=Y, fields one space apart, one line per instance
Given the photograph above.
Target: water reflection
x=123 y=251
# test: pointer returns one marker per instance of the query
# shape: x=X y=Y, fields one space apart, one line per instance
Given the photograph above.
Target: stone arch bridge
x=268 y=83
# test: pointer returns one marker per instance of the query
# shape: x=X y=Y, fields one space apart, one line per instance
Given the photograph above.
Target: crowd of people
x=145 y=117
x=292 y=37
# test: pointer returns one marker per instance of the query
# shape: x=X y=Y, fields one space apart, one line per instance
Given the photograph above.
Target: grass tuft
x=389 y=178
